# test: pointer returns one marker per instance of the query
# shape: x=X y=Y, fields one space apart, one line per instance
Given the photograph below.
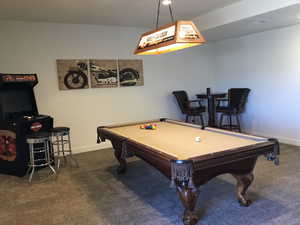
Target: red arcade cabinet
x=18 y=117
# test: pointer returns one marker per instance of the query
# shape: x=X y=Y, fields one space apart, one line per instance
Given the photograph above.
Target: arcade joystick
x=40 y=117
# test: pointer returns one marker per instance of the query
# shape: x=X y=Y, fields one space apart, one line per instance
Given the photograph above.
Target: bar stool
x=61 y=142
x=40 y=152
x=237 y=98
x=186 y=107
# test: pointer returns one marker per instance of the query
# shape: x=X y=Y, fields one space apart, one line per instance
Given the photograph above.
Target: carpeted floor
x=94 y=195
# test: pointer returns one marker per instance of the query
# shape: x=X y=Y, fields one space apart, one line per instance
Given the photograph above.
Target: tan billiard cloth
x=179 y=140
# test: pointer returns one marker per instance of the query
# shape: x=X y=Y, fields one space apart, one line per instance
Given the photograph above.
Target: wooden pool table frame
x=196 y=171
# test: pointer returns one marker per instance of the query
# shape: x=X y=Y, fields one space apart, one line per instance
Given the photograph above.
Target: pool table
x=190 y=155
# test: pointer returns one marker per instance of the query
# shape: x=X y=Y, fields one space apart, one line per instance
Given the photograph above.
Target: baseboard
x=283 y=140
x=82 y=149
x=289 y=141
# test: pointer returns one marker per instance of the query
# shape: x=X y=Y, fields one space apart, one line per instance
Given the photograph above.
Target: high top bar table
x=211 y=105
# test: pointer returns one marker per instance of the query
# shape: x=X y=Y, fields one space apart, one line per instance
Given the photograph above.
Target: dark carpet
x=95 y=195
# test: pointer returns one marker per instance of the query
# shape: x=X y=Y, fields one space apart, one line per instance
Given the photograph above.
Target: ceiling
x=216 y=19
x=283 y=17
x=137 y=13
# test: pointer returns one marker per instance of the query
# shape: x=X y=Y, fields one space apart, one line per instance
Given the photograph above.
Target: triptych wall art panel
x=103 y=73
x=96 y=73
x=72 y=74
x=131 y=73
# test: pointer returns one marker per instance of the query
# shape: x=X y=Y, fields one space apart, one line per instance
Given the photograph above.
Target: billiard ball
x=197 y=139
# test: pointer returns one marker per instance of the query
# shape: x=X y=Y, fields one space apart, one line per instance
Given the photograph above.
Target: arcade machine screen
x=16 y=103
x=19 y=117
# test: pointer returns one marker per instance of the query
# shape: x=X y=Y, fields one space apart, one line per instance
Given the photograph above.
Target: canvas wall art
x=103 y=73
x=130 y=73
x=72 y=74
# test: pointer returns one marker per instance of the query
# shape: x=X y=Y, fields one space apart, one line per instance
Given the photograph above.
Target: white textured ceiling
x=216 y=19
x=138 y=13
x=282 y=17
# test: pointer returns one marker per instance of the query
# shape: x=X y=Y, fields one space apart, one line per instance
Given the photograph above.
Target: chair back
x=182 y=100
x=238 y=98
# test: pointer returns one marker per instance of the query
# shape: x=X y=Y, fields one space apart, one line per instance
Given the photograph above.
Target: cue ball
x=197 y=139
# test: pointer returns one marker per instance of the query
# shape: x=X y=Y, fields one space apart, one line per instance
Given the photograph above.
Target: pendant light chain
x=171 y=12
x=158 y=13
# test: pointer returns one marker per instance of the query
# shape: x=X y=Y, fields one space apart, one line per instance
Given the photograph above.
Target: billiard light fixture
x=168 y=38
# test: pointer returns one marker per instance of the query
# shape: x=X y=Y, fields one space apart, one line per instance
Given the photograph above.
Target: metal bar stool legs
x=57 y=150
x=62 y=143
x=70 y=152
x=201 y=120
x=193 y=119
x=32 y=164
x=238 y=123
x=230 y=125
x=40 y=153
x=221 y=120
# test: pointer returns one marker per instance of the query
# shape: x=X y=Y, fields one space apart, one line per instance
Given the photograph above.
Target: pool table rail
x=269 y=147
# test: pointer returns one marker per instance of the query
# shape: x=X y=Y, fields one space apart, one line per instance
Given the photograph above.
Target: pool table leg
x=243 y=182
x=123 y=164
x=188 y=197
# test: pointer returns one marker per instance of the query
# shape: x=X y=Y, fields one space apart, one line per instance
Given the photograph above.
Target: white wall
x=34 y=47
x=269 y=64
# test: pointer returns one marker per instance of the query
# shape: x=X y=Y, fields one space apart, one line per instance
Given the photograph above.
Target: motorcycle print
x=108 y=73
x=76 y=77
x=130 y=72
x=129 y=77
x=103 y=73
x=103 y=76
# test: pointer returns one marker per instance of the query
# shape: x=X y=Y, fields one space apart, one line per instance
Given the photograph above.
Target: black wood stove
x=19 y=117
